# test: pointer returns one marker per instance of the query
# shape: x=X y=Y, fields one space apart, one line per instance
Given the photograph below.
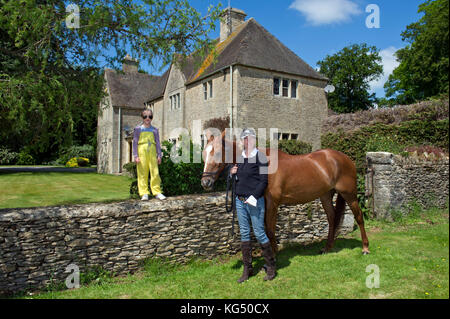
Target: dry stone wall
x=392 y=182
x=37 y=244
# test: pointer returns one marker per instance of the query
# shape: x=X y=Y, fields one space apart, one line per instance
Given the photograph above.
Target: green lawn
x=412 y=255
x=30 y=189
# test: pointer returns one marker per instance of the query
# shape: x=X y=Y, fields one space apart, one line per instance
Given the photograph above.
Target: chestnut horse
x=298 y=179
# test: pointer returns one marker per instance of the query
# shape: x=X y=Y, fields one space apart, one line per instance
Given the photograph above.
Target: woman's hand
x=137 y=159
x=159 y=160
x=233 y=170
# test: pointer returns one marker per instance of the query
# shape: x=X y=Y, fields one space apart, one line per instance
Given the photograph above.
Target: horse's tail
x=339 y=212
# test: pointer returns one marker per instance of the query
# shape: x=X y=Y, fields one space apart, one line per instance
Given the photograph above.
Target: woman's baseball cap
x=248 y=132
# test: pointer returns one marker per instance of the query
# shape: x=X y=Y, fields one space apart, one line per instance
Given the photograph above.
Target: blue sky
x=314 y=29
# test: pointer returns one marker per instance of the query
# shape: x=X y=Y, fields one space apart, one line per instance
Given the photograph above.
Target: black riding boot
x=270 y=261
x=246 y=247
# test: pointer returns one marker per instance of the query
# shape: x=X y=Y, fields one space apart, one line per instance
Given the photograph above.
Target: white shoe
x=160 y=196
x=145 y=197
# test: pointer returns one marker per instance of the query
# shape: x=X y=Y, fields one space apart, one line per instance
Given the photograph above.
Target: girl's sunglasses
x=147 y=117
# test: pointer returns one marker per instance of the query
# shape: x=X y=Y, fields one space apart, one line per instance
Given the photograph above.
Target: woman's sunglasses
x=147 y=117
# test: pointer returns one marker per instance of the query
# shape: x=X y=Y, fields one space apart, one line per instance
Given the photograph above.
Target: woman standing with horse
x=297 y=179
x=251 y=183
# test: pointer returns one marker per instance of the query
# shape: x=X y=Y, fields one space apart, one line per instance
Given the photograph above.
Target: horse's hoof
x=366 y=252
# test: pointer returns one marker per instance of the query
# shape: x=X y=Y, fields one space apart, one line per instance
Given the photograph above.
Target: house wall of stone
x=197 y=108
x=258 y=107
x=130 y=119
x=173 y=118
x=104 y=136
x=254 y=105
x=158 y=116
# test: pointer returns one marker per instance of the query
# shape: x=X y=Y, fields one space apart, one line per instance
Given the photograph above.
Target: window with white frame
x=208 y=90
x=175 y=102
x=285 y=87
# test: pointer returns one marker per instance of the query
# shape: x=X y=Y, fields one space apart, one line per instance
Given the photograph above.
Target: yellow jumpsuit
x=148 y=155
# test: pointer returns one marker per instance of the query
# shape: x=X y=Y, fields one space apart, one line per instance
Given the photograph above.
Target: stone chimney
x=130 y=65
x=230 y=19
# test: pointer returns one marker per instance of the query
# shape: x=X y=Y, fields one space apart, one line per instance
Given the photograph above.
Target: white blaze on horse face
x=208 y=151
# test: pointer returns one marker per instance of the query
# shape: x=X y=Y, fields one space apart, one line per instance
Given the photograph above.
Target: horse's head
x=216 y=157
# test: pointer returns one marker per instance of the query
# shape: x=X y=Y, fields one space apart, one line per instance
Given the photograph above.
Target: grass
x=412 y=255
x=31 y=189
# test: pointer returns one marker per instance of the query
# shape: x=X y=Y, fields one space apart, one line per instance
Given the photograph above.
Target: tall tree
x=350 y=70
x=50 y=76
x=424 y=62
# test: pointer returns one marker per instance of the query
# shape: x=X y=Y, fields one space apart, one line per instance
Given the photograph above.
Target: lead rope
x=231 y=209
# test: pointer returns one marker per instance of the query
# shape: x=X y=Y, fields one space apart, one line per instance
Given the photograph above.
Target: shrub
x=7 y=157
x=78 y=162
x=183 y=178
x=294 y=147
x=85 y=151
x=25 y=159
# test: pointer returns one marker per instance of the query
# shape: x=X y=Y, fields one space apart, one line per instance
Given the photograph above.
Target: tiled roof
x=252 y=45
x=133 y=89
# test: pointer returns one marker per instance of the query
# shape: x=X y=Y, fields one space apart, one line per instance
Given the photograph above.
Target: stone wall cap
x=117 y=209
x=380 y=157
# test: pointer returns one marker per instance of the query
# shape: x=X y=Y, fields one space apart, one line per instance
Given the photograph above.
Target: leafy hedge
x=387 y=138
x=182 y=178
x=294 y=147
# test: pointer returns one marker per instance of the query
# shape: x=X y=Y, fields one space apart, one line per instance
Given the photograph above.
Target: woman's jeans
x=248 y=214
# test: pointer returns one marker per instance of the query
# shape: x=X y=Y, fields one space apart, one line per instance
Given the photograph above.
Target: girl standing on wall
x=147 y=155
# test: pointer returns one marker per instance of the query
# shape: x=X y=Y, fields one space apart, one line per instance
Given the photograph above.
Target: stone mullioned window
x=285 y=87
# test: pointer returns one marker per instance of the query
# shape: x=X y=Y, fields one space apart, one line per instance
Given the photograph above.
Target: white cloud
x=389 y=63
x=320 y=12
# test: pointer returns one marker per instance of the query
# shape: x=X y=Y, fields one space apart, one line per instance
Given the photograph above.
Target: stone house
x=254 y=80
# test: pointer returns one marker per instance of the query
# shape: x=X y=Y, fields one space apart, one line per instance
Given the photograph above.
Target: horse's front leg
x=270 y=220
